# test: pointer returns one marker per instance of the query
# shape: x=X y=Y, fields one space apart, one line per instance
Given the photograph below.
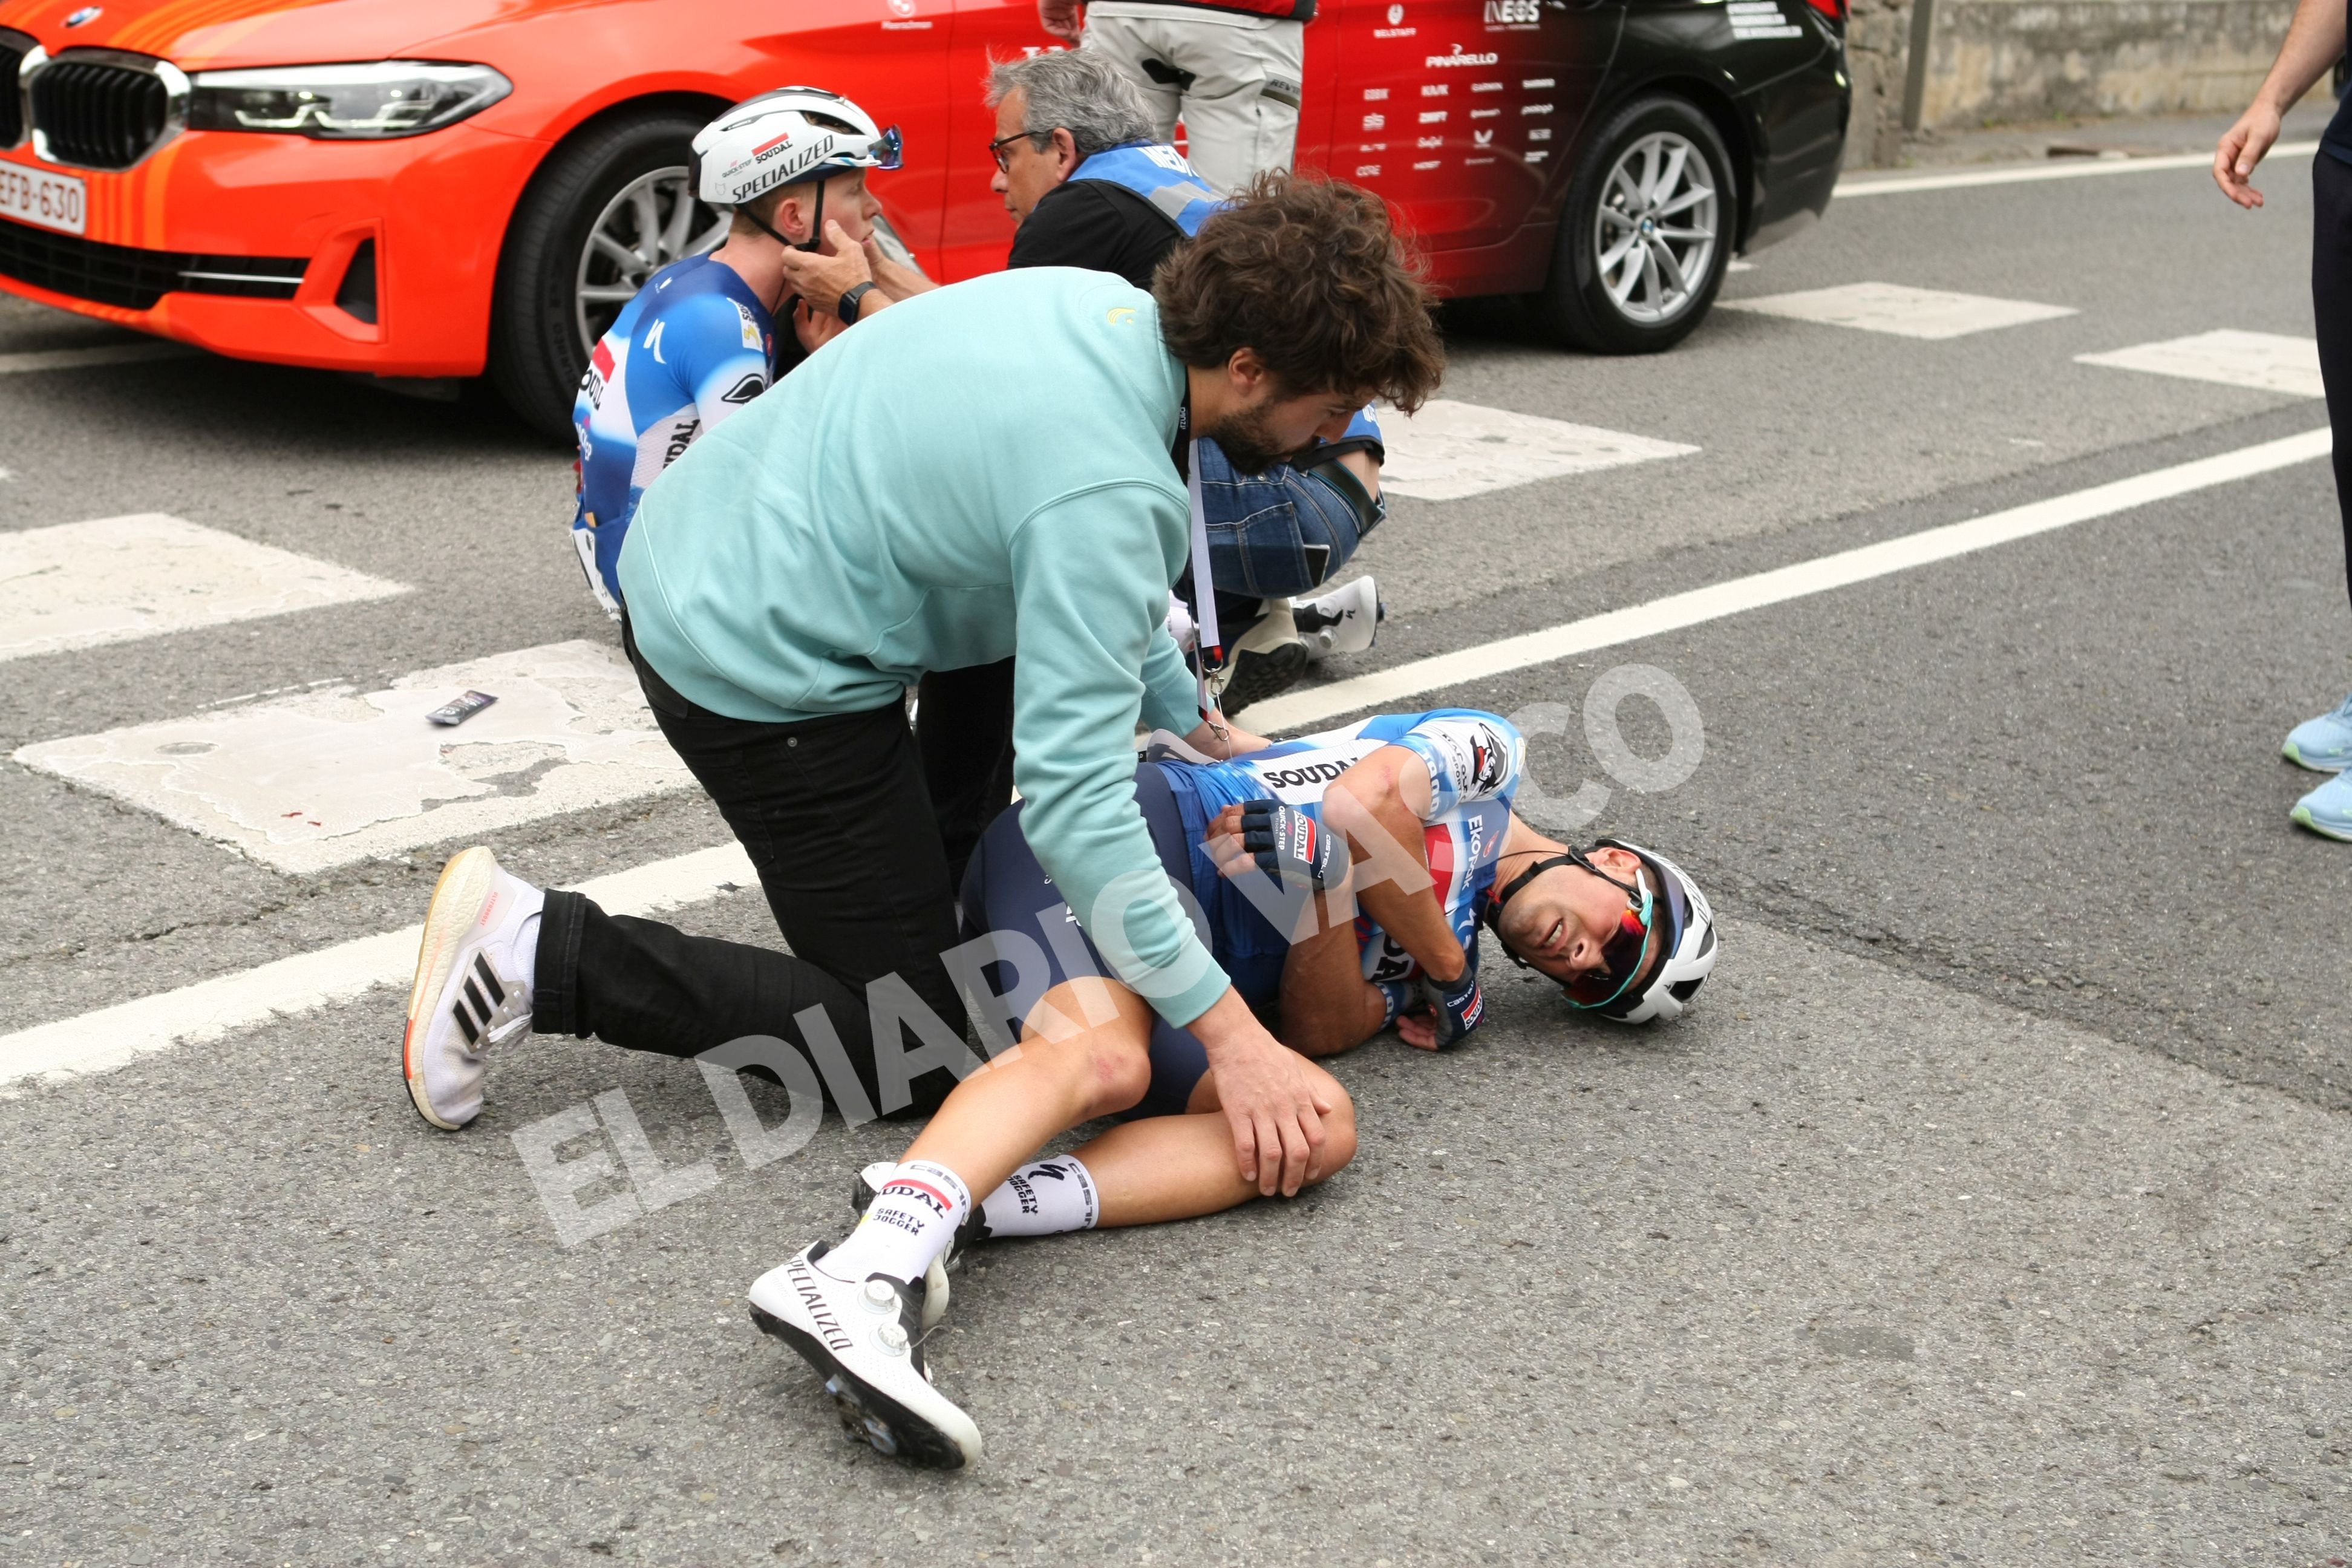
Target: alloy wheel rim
x=1656 y=234
x=650 y=222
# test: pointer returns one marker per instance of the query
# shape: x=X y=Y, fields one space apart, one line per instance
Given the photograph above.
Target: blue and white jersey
x=694 y=346
x=1475 y=761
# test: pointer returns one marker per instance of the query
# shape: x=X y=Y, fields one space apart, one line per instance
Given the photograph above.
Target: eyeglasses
x=996 y=148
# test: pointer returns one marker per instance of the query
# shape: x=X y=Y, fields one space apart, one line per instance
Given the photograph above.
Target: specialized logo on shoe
x=812 y=1295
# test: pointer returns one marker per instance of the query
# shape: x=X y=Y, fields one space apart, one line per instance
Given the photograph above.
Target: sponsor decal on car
x=1459 y=57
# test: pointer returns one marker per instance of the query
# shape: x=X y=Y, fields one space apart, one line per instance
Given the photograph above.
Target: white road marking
x=212 y=1009
x=1389 y=688
x=82 y=585
x=1739 y=267
x=1857 y=185
x=1899 y=309
x=2266 y=362
x=1449 y=451
x=310 y=781
x=79 y=359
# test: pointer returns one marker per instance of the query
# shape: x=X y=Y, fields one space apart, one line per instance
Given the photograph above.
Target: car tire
x=1611 y=290
x=537 y=351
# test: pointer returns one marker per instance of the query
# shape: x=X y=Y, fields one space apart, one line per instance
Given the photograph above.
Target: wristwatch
x=850 y=303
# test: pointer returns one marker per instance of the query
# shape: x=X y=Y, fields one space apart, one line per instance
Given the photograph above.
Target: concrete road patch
x=306 y=782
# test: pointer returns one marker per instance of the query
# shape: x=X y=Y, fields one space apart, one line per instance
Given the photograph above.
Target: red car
x=445 y=188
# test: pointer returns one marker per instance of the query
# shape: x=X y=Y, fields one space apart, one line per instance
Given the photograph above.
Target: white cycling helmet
x=1682 y=923
x=1687 y=933
x=782 y=138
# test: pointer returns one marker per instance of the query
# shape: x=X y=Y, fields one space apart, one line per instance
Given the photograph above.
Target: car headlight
x=374 y=101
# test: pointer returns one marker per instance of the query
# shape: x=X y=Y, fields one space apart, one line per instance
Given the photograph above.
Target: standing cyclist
x=698 y=341
x=1229 y=68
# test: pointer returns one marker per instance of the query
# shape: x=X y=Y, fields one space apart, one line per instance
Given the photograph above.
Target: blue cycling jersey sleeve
x=691 y=349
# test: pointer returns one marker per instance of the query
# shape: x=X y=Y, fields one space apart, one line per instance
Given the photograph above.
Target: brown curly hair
x=1309 y=273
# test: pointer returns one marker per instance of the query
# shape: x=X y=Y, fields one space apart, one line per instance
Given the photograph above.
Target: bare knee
x=1338 y=1136
x=1098 y=1071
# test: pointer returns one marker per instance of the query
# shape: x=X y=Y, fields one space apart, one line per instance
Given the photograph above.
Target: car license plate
x=36 y=195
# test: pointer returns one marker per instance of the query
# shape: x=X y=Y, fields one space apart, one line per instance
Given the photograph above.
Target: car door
x=1461 y=111
x=978 y=231
x=890 y=56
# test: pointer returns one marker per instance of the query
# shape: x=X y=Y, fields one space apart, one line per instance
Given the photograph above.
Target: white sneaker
x=1345 y=620
x=1265 y=661
x=472 y=990
x=866 y=1341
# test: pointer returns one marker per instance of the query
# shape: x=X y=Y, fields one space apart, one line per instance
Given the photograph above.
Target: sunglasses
x=1621 y=955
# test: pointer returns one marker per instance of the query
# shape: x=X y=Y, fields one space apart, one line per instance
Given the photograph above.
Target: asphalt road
x=1988 y=1206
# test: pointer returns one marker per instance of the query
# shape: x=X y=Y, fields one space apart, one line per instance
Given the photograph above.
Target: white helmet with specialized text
x=782 y=138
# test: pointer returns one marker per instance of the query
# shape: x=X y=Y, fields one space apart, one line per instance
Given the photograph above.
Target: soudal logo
x=1458 y=57
x=1298 y=778
x=682 y=436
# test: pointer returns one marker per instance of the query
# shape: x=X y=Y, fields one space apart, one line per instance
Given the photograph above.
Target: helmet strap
x=816 y=223
x=1518 y=885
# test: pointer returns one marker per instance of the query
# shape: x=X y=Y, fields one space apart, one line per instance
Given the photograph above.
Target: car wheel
x=608 y=210
x=1646 y=233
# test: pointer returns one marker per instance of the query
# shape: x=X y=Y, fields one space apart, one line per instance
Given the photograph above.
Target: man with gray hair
x=1082 y=170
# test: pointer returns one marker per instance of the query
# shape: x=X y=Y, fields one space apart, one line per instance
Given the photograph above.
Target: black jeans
x=833 y=815
x=964 y=722
x=2331 y=311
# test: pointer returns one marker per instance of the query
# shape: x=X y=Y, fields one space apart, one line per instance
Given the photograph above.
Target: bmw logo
x=87 y=14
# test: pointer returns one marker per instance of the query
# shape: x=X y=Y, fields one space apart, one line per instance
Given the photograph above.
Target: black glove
x=1288 y=843
x=1457 y=1009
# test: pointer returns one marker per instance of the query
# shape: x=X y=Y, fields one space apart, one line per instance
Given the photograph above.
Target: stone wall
x=2000 y=60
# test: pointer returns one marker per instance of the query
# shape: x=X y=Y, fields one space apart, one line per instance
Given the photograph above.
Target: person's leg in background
x=2324 y=744
x=963 y=724
x=1234 y=80
x=1129 y=41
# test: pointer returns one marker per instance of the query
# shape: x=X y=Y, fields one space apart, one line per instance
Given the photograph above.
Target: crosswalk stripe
x=306 y=782
x=1446 y=451
x=213 y=1009
x=1899 y=308
x=115 y=579
x=2264 y=362
x=209 y=1010
x=1855 y=186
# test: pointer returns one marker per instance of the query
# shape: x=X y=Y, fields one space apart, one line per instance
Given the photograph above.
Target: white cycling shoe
x=866 y=1341
x=472 y=989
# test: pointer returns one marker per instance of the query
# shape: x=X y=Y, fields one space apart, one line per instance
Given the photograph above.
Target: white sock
x=1045 y=1197
x=909 y=1223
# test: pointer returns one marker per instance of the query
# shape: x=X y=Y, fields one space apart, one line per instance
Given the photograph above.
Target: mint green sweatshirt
x=977 y=471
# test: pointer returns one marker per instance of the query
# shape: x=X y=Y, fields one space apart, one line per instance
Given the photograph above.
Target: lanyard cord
x=1208 y=647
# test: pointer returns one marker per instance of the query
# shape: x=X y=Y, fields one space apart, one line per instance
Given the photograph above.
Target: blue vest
x=1160 y=175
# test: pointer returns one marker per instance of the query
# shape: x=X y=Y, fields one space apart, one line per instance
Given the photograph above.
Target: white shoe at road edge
x=472 y=989
x=866 y=1341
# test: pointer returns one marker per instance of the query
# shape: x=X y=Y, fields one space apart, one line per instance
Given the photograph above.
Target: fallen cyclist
x=1341 y=879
